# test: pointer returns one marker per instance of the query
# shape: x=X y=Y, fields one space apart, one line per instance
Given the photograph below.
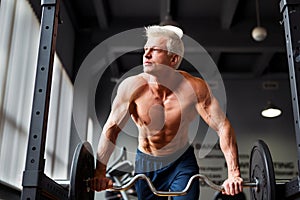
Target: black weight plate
x=83 y=166
x=262 y=170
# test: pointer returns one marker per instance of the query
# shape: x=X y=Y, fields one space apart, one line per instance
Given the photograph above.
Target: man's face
x=155 y=55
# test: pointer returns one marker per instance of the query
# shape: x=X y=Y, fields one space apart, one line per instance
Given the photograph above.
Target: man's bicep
x=124 y=98
x=211 y=113
x=217 y=114
x=119 y=112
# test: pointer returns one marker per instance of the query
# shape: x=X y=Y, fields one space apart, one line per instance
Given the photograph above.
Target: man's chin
x=148 y=69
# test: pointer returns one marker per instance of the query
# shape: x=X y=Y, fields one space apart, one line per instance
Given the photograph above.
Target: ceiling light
x=259 y=33
x=271 y=111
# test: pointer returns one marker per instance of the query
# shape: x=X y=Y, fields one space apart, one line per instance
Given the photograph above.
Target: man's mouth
x=147 y=63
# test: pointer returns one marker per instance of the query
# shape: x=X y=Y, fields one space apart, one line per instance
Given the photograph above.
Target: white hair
x=173 y=36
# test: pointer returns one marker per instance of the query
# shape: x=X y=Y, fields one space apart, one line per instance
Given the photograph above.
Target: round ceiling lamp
x=259 y=33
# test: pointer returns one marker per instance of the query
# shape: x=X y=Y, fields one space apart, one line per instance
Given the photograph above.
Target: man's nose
x=147 y=54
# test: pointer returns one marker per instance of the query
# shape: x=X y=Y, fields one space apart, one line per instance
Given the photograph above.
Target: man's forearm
x=230 y=150
x=106 y=147
x=100 y=169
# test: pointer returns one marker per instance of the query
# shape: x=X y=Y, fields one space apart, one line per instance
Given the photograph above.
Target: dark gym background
x=253 y=73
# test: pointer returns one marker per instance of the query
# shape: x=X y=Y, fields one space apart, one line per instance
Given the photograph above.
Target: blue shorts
x=166 y=175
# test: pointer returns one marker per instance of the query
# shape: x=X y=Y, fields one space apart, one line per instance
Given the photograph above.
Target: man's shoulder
x=131 y=83
x=199 y=85
x=191 y=78
x=135 y=79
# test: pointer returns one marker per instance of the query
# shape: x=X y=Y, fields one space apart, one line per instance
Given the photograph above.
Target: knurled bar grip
x=174 y=193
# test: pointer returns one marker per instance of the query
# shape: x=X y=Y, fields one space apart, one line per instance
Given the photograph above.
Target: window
x=19 y=41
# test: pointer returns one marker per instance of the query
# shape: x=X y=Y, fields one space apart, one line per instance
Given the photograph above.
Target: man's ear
x=174 y=59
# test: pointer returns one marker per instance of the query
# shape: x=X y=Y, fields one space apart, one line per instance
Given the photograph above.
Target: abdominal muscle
x=162 y=143
x=162 y=131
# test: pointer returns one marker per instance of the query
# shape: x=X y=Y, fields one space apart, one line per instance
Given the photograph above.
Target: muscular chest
x=156 y=112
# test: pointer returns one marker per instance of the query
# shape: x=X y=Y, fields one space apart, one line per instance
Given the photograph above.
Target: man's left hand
x=233 y=186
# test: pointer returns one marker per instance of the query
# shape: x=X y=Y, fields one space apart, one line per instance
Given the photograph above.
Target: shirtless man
x=162 y=102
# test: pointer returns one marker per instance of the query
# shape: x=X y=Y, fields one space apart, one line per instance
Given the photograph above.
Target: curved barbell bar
x=174 y=193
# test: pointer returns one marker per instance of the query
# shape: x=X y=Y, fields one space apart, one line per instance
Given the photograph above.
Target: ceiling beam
x=227 y=13
x=213 y=39
x=101 y=13
x=262 y=63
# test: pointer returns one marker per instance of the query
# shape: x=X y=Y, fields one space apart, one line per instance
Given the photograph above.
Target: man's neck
x=163 y=76
x=163 y=87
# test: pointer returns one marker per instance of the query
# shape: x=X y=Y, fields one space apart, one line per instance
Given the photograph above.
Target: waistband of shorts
x=165 y=158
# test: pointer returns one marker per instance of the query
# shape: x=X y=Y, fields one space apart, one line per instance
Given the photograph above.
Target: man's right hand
x=100 y=183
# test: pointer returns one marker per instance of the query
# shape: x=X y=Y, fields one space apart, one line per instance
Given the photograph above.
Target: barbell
x=175 y=193
x=261 y=175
